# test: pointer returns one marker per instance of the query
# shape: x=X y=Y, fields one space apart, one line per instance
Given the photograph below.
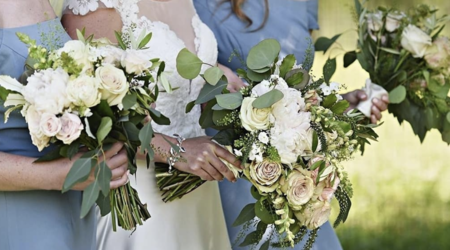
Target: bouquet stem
x=126 y=208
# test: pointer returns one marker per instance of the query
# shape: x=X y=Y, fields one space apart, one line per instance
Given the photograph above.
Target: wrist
x=162 y=147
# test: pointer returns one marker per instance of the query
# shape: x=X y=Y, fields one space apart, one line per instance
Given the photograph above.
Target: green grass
x=402 y=187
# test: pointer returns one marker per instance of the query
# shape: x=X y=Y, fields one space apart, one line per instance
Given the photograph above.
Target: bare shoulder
x=17 y=13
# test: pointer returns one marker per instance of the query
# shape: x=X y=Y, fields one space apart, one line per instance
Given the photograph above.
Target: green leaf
x=262 y=213
x=79 y=172
x=103 y=109
x=206 y=120
x=329 y=101
x=90 y=195
x=219 y=115
x=251 y=239
x=268 y=99
x=188 y=64
x=209 y=92
x=265 y=246
x=103 y=176
x=145 y=41
x=190 y=106
x=119 y=40
x=263 y=54
x=397 y=95
x=225 y=137
x=247 y=214
x=145 y=136
x=389 y=50
x=52 y=155
x=103 y=202
x=230 y=101
x=73 y=149
x=3 y=93
x=358 y=7
x=158 y=117
x=448 y=117
x=316 y=165
x=80 y=35
x=345 y=126
x=129 y=100
x=131 y=131
x=104 y=129
x=315 y=141
x=287 y=64
x=324 y=43
x=255 y=193
x=295 y=77
x=213 y=75
x=349 y=58
x=340 y=107
x=257 y=77
x=328 y=69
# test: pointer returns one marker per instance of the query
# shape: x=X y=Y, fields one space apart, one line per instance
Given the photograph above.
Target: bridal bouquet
x=406 y=55
x=90 y=94
x=291 y=133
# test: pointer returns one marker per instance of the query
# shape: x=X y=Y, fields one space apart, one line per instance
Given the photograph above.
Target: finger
x=227 y=156
x=382 y=106
x=209 y=168
x=116 y=147
x=373 y=119
x=385 y=98
x=361 y=94
x=120 y=182
x=117 y=173
x=204 y=175
x=222 y=168
x=376 y=112
x=117 y=160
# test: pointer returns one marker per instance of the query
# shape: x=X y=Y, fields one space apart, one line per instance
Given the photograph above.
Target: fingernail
x=375 y=100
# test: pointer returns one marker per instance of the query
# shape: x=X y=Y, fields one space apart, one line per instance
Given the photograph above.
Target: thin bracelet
x=175 y=155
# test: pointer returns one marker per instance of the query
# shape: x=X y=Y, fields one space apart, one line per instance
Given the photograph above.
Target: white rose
x=375 y=20
x=289 y=111
x=114 y=85
x=81 y=53
x=261 y=88
x=253 y=118
x=84 y=91
x=314 y=215
x=288 y=142
x=71 y=128
x=135 y=62
x=437 y=55
x=111 y=55
x=46 y=90
x=299 y=188
x=415 y=41
x=33 y=118
x=262 y=137
x=393 y=21
x=50 y=125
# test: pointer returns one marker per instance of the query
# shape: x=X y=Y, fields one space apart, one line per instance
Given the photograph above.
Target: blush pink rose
x=71 y=127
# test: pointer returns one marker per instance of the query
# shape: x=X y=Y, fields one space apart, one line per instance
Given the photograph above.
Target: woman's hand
x=378 y=106
x=116 y=159
x=234 y=82
x=203 y=158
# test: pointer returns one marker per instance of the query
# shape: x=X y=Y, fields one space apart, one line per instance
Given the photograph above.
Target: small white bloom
x=81 y=53
x=326 y=90
x=238 y=153
x=334 y=86
x=262 y=137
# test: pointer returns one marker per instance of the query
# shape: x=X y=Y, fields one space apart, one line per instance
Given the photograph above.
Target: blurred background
x=401 y=186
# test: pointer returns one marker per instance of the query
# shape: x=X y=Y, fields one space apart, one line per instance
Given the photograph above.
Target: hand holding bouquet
x=90 y=94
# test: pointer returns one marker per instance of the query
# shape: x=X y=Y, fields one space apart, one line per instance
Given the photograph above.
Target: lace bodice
x=175 y=25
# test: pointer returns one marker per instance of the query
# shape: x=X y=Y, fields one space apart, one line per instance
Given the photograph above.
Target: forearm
x=20 y=173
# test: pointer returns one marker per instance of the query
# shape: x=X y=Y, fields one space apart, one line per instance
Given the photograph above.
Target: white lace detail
x=82 y=7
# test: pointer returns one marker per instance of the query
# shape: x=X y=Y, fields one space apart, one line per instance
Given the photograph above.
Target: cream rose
x=265 y=175
x=135 y=62
x=50 y=125
x=114 y=85
x=71 y=128
x=33 y=119
x=437 y=55
x=314 y=215
x=300 y=188
x=84 y=91
x=253 y=118
x=415 y=41
x=393 y=21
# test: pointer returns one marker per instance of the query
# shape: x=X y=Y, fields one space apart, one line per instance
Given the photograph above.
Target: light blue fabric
x=289 y=22
x=36 y=220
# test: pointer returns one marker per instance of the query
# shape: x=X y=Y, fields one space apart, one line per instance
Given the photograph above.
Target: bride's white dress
x=195 y=222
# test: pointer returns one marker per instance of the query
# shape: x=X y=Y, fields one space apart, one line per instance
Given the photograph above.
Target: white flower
x=262 y=137
x=33 y=119
x=438 y=54
x=84 y=91
x=111 y=55
x=46 y=90
x=81 y=53
x=314 y=215
x=238 y=153
x=255 y=154
x=326 y=90
x=334 y=86
x=70 y=129
x=50 y=125
x=375 y=20
x=261 y=88
x=82 y=7
x=135 y=62
x=253 y=118
x=415 y=41
x=393 y=21
x=290 y=143
x=114 y=85
x=299 y=188
x=290 y=112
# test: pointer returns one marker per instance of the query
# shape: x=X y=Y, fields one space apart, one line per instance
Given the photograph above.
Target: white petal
x=10 y=83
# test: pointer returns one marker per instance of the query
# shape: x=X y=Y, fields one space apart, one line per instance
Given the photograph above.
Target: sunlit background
x=401 y=186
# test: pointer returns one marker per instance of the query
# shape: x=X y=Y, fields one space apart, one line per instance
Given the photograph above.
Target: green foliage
x=90 y=195
x=340 y=107
x=213 y=75
x=349 y=58
x=323 y=43
x=328 y=69
x=145 y=136
x=287 y=64
x=397 y=95
x=268 y=99
x=263 y=213
x=344 y=205
x=230 y=101
x=247 y=214
x=79 y=172
x=188 y=64
x=263 y=54
x=104 y=129
x=103 y=175
x=209 y=92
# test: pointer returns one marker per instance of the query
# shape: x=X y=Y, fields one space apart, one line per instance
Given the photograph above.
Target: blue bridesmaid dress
x=36 y=220
x=289 y=22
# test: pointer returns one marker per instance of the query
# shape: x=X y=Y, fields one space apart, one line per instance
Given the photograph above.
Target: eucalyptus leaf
x=263 y=54
x=257 y=77
x=90 y=195
x=103 y=175
x=255 y=193
x=131 y=131
x=219 y=115
x=213 y=75
x=188 y=64
x=389 y=50
x=145 y=136
x=261 y=71
x=104 y=204
x=79 y=172
x=324 y=43
x=104 y=129
x=225 y=137
x=230 y=101
x=448 y=117
x=51 y=156
x=247 y=214
x=217 y=107
x=268 y=99
x=397 y=95
x=129 y=100
x=295 y=77
x=209 y=92
x=287 y=64
x=206 y=120
x=340 y=107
